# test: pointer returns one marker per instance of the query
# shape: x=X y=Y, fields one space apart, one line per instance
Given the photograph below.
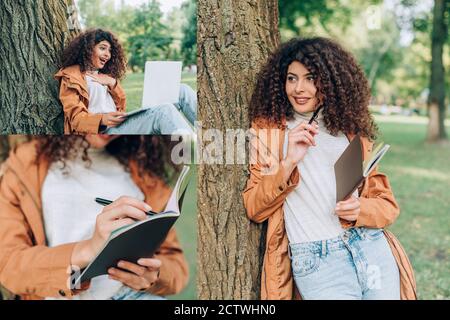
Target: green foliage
x=189 y=42
x=149 y=38
x=143 y=31
x=306 y=18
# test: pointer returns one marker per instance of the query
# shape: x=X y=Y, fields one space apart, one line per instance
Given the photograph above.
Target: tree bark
x=436 y=101
x=32 y=35
x=234 y=40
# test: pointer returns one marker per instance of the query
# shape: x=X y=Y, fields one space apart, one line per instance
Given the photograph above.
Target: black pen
x=105 y=202
x=315 y=115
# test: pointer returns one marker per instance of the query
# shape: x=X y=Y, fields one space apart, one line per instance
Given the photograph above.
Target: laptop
x=162 y=81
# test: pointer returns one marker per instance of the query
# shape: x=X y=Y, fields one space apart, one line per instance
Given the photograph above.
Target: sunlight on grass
x=405 y=119
x=419 y=174
x=422 y=173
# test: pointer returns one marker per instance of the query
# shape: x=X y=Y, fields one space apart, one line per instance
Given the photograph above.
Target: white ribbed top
x=100 y=100
x=309 y=208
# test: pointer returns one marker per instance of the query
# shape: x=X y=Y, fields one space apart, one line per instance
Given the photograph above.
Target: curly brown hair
x=151 y=153
x=80 y=49
x=342 y=88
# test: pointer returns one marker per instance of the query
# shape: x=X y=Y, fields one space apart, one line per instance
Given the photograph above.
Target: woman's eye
x=310 y=78
x=291 y=78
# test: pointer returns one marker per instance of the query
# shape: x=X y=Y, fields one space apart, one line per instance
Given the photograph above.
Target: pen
x=105 y=202
x=315 y=114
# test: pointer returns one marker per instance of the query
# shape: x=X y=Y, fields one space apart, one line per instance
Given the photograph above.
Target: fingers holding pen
x=304 y=126
x=303 y=137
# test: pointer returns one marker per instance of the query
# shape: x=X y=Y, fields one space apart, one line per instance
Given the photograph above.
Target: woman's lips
x=302 y=100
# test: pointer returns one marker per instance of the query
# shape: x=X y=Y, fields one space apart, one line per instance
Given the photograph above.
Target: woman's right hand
x=300 y=139
x=113 y=119
x=121 y=212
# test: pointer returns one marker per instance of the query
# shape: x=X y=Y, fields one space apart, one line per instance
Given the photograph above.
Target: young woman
x=50 y=223
x=93 y=100
x=328 y=250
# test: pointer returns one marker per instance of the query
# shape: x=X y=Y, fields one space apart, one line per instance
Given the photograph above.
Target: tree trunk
x=234 y=40
x=33 y=34
x=436 y=101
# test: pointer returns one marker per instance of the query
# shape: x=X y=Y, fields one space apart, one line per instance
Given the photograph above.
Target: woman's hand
x=121 y=212
x=113 y=119
x=103 y=79
x=348 y=209
x=139 y=276
x=300 y=139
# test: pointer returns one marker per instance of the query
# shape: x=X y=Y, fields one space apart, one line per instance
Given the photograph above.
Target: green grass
x=134 y=82
x=420 y=178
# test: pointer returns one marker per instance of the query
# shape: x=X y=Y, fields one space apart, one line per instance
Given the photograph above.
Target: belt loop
x=360 y=232
x=324 y=247
x=289 y=251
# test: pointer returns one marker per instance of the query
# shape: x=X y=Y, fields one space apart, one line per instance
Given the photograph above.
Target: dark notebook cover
x=141 y=239
x=350 y=169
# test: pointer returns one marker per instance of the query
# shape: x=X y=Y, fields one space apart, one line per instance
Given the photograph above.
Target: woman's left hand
x=139 y=277
x=103 y=79
x=348 y=209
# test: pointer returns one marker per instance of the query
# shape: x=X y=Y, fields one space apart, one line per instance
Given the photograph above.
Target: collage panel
x=97 y=217
x=344 y=110
x=97 y=188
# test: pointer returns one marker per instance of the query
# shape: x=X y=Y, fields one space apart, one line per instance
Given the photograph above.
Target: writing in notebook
x=140 y=239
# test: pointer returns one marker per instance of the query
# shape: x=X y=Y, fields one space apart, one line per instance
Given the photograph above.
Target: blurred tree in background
x=189 y=42
x=144 y=31
x=149 y=38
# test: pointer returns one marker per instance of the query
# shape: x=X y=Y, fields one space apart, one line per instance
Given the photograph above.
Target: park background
x=391 y=39
x=403 y=47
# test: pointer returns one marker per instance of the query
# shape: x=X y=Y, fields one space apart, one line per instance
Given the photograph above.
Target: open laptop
x=162 y=81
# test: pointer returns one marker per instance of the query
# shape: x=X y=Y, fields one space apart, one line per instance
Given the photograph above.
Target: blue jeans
x=357 y=265
x=163 y=119
x=126 y=293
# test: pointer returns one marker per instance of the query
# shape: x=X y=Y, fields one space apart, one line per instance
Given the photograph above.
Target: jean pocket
x=374 y=234
x=305 y=264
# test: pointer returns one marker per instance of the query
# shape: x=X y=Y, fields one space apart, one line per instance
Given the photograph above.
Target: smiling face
x=300 y=88
x=101 y=54
x=98 y=141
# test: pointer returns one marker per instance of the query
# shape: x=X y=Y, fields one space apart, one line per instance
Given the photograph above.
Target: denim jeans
x=357 y=265
x=126 y=293
x=163 y=119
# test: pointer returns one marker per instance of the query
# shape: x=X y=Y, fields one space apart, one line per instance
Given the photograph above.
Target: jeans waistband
x=321 y=247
